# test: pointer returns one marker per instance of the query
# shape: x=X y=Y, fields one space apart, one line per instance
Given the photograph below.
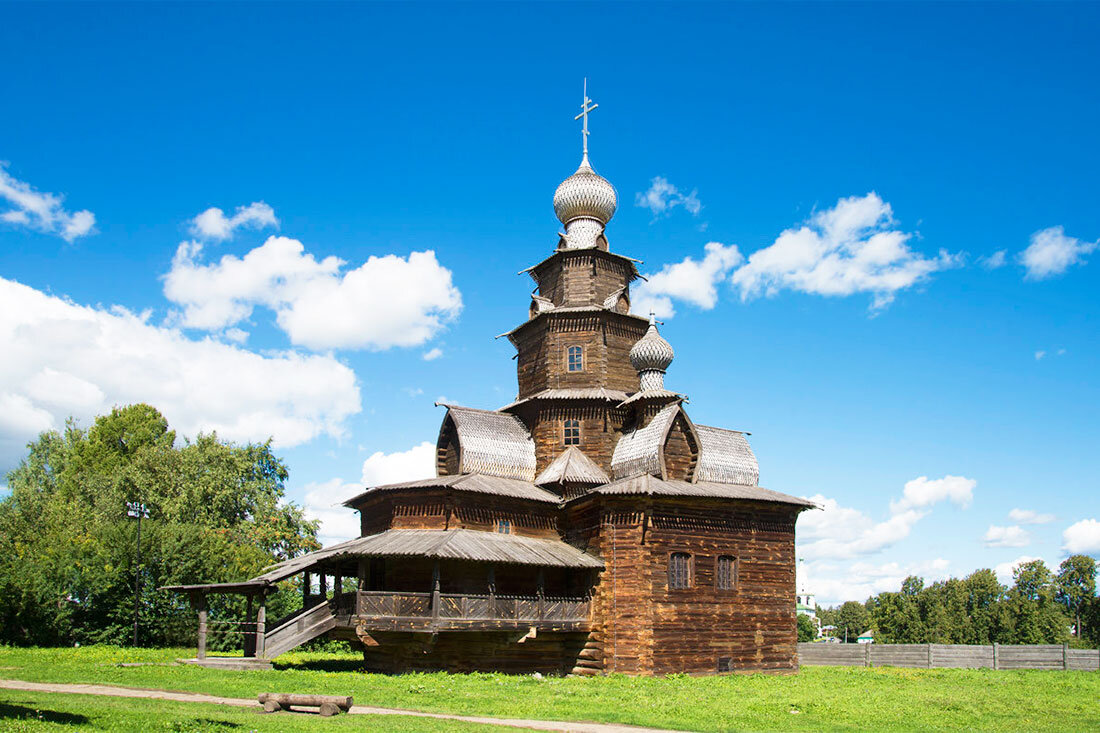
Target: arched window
x=571 y=432
x=574 y=358
x=679 y=570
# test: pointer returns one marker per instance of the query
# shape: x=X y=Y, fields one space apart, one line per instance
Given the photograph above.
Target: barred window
x=575 y=358
x=504 y=526
x=679 y=570
x=572 y=432
x=725 y=574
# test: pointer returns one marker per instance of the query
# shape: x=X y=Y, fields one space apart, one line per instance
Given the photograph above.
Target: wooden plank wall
x=941 y=656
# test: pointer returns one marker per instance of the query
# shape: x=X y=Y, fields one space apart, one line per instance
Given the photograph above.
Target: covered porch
x=416 y=581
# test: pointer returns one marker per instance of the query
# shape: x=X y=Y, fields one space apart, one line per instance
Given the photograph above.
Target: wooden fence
x=930 y=656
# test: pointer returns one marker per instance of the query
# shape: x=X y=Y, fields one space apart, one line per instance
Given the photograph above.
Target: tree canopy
x=216 y=513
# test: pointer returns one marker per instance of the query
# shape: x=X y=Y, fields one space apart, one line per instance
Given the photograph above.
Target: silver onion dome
x=585 y=195
x=651 y=352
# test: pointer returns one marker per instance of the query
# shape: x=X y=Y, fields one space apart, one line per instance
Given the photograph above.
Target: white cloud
x=662 y=197
x=693 y=281
x=432 y=354
x=1082 y=538
x=924 y=492
x=1012 y=536
x=994 y=261
x=214 y=224
x=1004 y=570
x=1039 y=355
x=387 y=301
x=833 y=584
x=845 y=532
x=850 y=248
x=324 y=500
x=1051 y=253
x=62 y=359
x=41 y=211
x=1028 y=516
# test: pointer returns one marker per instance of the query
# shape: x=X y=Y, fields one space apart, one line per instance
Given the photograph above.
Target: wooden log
x=284 y=700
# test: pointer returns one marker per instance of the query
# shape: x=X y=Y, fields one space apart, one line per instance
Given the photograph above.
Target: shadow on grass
x=19 y=712
x=323 y=665
x=201 y=725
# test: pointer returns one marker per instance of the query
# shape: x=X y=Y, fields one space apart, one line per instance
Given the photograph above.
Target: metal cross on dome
x=585 y=109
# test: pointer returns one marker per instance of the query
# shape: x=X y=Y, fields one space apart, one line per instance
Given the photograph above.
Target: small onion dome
x=651 y=352
x=585 y=195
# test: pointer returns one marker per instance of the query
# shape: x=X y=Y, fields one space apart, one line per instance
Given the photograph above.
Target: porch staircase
x=300 y=627
x=590 y=658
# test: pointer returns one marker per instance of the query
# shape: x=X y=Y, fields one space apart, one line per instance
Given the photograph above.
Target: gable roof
x=492 y=443
x=640 y=450
x=725 y=457
x=474 y=483
x=572 y=466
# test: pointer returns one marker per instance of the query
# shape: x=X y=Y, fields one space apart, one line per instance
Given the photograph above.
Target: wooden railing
x=447 y=608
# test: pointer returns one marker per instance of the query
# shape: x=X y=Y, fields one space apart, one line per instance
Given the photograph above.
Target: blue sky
x=875 y=158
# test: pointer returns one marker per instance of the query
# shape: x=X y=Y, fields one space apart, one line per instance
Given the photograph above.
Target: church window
x=575 y=358
x=504 y=526
x=572 y=432
x=679 y=570
x=725 y=574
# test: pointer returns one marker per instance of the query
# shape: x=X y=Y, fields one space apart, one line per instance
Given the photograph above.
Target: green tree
x=1075 y=587
x=806 y=629
x=1034 y=616
x=984 y=596
x=68 y=552
x=852 y=620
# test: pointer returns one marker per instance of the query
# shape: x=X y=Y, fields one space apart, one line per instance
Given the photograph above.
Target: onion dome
x=651 y=353
x=585 y=195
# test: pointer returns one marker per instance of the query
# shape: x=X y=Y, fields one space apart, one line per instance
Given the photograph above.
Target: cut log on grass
x=327 y=705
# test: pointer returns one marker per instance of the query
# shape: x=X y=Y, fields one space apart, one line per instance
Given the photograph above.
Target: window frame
x=569 y=358
x=503 y=526
x=570 y=438
x=734 y=570
x=674 y=574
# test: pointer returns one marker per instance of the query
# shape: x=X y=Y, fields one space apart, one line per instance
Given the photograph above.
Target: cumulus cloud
x=1082 y=538
x=691 y=280
x=833 y=583
x=1051 y=253
x=324 y=500
x=41 y=211
x=1013 y=536
x=432 y=354
x=923 y=492
x=1029 y=516
x=62 y=359
x=662 y=197
x=994 y=261
x=214 y=224
x=853 y=247
x=845 y=532
x=387 y=301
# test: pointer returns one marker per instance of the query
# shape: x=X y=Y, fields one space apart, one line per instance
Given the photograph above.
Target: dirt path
x=111 y=691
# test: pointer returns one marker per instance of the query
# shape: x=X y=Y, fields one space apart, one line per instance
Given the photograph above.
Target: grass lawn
x=818 y=698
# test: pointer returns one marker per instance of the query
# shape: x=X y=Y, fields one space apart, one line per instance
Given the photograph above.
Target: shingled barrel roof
x=725 y=457
x=493 y=443
x=639 y=451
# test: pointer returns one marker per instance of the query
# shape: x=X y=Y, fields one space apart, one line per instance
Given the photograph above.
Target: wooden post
x=337 y=589
x=261 y=626
x=1065 y=656
x=492 y=591
x=305 y=589
x=995 y=655
x=866 y=655
x=435 y=593
x=201 y=654
x=541 y=580
x=930 y=660
x=247 y=615
x=322 y=586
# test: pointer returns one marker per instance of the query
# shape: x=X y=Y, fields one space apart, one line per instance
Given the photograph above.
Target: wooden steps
x=589 y=658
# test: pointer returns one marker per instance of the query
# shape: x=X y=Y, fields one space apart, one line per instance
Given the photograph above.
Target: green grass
x=818 y=698
x=43 y=711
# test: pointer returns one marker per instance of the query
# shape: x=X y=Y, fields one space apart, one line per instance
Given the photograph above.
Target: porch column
x=322 y=586
x=244 y=626
x=261 y=625
x=200 y=604
x=542 y=599
x=435 y=593
x=305 y=589
x=337 y=589
x=492 y=591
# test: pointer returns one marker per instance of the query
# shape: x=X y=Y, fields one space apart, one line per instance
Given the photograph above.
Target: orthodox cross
x=585 y=109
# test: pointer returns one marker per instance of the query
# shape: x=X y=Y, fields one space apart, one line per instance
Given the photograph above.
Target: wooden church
x=588 y=527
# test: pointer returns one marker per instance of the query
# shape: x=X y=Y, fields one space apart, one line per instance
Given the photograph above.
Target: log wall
x=475 y=651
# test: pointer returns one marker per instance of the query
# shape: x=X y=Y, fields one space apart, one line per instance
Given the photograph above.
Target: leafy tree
x=1035 y=617
x=984 y=594
x=1075 y=586
x=852 y=620
x=806 y=629
x=68 y=551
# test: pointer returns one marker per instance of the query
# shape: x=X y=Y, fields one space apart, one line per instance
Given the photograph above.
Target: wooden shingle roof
x=469 y=482
x=725 y=457
x=492 y=443
x=648 y=485
x=572 y=466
